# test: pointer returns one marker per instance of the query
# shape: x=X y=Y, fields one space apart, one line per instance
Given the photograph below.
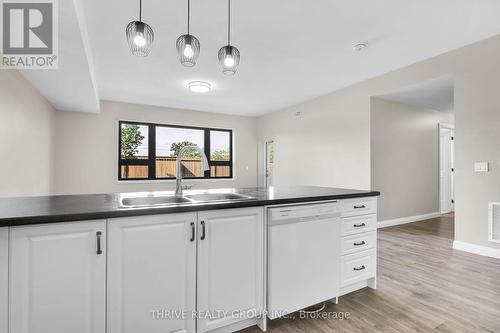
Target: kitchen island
x=133 y=262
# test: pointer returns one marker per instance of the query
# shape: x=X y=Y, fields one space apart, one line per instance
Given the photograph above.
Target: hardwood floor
x=423 y=286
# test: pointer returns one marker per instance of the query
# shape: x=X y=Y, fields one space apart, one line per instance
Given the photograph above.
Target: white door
x=57 y=278
x=269 y=160
x=4 y=279
x=446 y=170
x=151 y=273
x=230 y=265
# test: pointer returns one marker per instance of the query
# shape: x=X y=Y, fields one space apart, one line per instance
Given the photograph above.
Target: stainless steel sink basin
x=172 y=200
x=154 y=201
x=208 y=197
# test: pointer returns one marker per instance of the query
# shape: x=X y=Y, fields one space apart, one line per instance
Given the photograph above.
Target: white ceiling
x=291 y=50
x=72 y=87
x=436 y=94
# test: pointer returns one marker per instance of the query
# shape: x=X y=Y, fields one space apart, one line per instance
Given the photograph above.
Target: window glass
x=169 y=141
x=149 y=151
x=134 y=141
x=220 y=171
x=134 y=171
x=219 y=146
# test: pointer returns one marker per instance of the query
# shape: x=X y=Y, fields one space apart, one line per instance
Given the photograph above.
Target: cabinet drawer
x=360 y=242
x=361 y=206
x=358 y=267
x=358 y=224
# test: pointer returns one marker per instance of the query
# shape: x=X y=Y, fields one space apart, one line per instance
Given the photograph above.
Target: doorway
x=446 y=168
x=269 y=164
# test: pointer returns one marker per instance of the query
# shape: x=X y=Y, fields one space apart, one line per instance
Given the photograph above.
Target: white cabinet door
x=151 y=273
x=57 y=279
x=230 y=266
x=4 y=279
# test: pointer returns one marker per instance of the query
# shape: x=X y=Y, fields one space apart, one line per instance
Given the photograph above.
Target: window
x=149 y=151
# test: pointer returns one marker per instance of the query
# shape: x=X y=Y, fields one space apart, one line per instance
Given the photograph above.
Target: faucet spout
x=182 y=151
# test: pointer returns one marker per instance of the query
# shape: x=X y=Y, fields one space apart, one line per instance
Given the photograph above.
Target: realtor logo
x=29 y=34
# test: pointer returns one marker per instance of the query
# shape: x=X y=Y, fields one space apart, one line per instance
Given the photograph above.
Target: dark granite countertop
x=62 y=208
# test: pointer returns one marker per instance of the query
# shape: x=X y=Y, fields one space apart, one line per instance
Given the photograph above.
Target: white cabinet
x=4 y=279
x=358 y=264
x=152 y=273
x=359 y=206
x=358 y=267
x=57 y=278
x=230 y=266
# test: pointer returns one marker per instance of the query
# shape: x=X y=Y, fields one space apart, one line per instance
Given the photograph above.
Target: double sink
x=151 y=200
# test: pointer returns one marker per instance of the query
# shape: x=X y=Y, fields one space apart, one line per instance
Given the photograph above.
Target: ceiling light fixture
x=140 y=36
x=199 y=86
x=229 y=56
x=188 y=46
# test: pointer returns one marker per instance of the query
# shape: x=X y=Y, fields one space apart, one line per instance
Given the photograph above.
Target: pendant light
x=188 y=46
x=140 y=36
x=229 y=56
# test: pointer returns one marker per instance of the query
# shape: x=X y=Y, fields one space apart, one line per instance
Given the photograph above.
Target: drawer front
x=358 y=243
x=358 y=267
x=359 y=224
x=361 y=206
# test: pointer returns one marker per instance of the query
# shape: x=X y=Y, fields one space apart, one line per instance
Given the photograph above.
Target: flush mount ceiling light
x=199 y=86
x=188 y=46
x=229 y=56
x=140 y=36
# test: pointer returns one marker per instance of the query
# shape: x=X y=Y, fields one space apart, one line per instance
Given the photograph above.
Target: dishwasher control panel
x=304 y=211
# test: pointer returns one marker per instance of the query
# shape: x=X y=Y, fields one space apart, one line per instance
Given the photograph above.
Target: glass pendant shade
x=188 y=48
x=229 y=58
x=140 y=37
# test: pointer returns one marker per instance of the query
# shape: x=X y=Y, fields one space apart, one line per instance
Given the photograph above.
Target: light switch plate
x=481 y=167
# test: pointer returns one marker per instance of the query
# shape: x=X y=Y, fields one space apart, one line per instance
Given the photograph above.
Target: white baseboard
x=477 y=249
x=409 y=219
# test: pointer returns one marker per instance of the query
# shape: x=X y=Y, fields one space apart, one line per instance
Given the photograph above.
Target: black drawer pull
x=202 y=230
x=359 y=225
x=192 y=232
x=359 y=207
x=359 y=268
x=359 y=244
x=98 y=236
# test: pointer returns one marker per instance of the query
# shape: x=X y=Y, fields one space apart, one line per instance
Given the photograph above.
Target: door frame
x=266 y=156
x=452 y=128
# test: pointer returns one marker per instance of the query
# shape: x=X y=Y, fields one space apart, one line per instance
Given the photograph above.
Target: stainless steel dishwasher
x=303 y=256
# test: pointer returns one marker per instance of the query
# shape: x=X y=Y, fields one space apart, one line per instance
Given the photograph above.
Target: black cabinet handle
x=359 y=268
x=202 y=230
x=359 y=243
x=192 y=232
x=359 y=207
x=359 y=225
x=98 y=236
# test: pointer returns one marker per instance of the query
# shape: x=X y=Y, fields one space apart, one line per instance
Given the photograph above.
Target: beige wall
x=87 y=147
x=405 y=158
x=335 y=129
x=327 y=144
x=26 y=136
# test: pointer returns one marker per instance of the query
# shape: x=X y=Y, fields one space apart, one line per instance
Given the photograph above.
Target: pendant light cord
x=189 y=11
x=140 y=10
x=229 y=22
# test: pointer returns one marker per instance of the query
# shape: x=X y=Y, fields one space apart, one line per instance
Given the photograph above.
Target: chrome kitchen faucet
x=182 y=151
